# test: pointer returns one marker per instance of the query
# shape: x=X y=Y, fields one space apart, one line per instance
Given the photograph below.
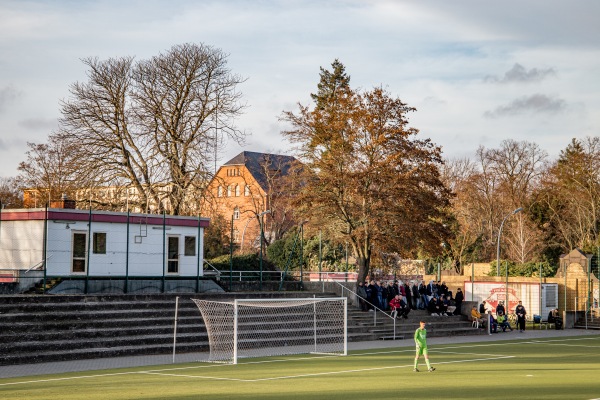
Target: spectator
x=408 y=294
x=371 y=294
x=555 y=318
x=500 y=308
x=384 y=296
x=433 y=307
x=362 y=296
x=483 y=308
x=379 y=295
x=442 y=289
x=476 y=316
x=458 y=299
x=521 y=313
x=399 y=307
x=503 y=322
x=416 y=297
x=423 y=294
x=493 y=324
x=443 y=304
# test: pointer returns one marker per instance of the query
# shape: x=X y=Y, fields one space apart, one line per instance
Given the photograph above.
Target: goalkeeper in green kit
x=421 y=342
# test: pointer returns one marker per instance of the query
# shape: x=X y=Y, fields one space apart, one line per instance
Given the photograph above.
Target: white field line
x=570 y=345
x=65 y=379
x=334 y=372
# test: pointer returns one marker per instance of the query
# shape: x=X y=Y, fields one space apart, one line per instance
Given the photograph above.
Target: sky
x=477 y=72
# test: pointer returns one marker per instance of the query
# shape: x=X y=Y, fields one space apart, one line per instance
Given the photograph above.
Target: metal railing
x=376 y=309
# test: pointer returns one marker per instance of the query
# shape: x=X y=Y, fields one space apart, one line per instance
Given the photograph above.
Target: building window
x=229 y=191
x=79 y=251
x=220 y=191
x=99 y=246
x=236 y=236
x=247 y=190
x=237 y=190
x=190 y=246
x=173 y=255
x=236 y=213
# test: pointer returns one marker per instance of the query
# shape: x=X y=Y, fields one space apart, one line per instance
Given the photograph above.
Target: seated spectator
x=476 y=316
x=500 y=308
x=399 y=307
x=503 y=321
x=443 y=303
x=493 y=323
x=433 y=307
x=554 y=318
x=404 y=309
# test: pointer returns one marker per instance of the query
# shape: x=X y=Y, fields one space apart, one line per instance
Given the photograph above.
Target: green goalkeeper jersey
x=421 y=337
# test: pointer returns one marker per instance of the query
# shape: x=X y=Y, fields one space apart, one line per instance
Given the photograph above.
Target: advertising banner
x=538 y=299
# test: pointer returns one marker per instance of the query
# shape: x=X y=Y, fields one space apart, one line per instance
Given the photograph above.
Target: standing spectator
x=416 y=297
x=402 y=290
x=421 y=343
x=392 y=291
x=483 y=308
x=423 y=294
x=379 y=295
x=408 y=294
x=371 y=295
x=384 y=296
x=458 y=299
x=362 y=296
x=442 y=289
x=521 y=313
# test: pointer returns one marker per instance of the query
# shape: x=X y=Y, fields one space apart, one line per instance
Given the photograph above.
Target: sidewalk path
x=11 y=371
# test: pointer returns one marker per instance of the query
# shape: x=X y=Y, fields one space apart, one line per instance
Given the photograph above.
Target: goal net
x=268 y=327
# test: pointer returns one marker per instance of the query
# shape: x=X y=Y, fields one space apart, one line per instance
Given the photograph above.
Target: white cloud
x=537 y=103
x=518 y=73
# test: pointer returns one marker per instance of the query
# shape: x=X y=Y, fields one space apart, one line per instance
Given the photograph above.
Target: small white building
x=69 y=243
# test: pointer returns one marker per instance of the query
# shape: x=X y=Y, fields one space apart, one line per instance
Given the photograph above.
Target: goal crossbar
x=268 y=327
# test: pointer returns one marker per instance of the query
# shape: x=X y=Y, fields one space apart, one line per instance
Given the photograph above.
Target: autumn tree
x=153 y=125
x=569 y=198
x=366 y=177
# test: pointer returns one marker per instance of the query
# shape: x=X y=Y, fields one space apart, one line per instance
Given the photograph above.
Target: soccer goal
x=268 y=327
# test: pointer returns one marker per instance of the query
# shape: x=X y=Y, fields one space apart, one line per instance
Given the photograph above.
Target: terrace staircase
x=593 y=322
x=73 y=327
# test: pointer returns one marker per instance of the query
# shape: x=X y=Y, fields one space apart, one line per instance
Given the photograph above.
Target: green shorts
x=421 y=350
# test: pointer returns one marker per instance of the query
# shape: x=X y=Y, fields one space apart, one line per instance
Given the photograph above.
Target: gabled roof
x=256 y=163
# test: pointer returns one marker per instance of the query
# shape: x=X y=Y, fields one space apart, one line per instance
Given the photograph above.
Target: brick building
x=243 y=189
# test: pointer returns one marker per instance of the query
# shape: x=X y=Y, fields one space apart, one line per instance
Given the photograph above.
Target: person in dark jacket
x=362 y=296
x=458 y=299
x=434 y=308
x=423 y=294
x=500 y=308
x=408 y=293
x=416 y=297
x=521 y=313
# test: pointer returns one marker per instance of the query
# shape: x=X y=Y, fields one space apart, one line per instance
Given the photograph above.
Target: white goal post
x=268 y=327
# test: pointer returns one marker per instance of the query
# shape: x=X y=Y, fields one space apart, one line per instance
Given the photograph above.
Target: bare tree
x=48 y=173
x=153 y=125
x=10 y=193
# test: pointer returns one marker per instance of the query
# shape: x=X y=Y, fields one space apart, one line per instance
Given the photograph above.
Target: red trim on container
x=82 y=215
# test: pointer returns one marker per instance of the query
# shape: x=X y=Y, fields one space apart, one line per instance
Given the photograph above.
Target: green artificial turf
x=549 y=368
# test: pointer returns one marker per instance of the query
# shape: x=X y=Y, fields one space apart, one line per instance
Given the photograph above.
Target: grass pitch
x=550 y=368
